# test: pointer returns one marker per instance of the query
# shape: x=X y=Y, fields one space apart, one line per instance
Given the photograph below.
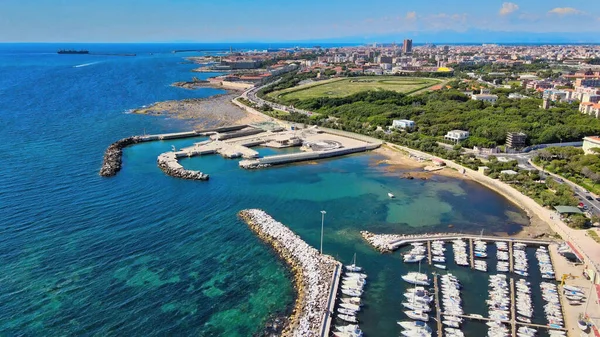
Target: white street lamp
x=322 y=223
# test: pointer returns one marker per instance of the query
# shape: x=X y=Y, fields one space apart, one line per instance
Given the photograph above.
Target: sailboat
x=353 y=267
x=391 y=195
x=582 y=321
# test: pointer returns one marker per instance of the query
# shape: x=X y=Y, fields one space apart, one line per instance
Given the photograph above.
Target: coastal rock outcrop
x=114 y=154
x=167 y=162
x=313 y=273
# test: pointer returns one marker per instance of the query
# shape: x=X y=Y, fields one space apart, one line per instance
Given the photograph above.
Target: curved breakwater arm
x=313 y=274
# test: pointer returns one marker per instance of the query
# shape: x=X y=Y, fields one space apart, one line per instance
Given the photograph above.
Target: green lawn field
x=348 y=86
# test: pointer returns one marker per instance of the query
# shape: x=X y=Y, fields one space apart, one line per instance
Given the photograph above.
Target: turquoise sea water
x=143 y=254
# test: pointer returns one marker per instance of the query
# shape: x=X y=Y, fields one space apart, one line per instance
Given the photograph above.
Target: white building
x=590 y=143
x=457 y=135
x=403 y=124
x=485 y=98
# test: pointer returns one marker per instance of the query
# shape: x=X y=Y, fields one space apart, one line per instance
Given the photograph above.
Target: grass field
x=348 y=86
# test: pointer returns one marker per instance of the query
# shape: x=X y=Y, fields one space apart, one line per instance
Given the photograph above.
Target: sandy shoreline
x=213 y=111
x=405 y=166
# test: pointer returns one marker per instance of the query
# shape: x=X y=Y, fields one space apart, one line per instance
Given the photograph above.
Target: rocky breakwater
x=313 y=272
x=113 y=155
x=380 y=241
x=168 y=163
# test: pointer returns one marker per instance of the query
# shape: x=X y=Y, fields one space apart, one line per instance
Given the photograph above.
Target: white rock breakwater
x=313 y=272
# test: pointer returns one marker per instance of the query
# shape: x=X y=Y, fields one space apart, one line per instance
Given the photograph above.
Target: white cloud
x=508 y=8
x=565 y=11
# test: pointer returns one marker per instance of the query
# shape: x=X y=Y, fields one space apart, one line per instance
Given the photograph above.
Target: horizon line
x=296 y=42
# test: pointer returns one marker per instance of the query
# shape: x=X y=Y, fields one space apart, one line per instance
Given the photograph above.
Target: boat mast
x=587 y=301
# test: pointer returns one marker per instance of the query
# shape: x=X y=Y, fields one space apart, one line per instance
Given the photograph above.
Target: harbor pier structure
x=438 y=309
x=391 y=242
x=314 y=274
x=237 y=142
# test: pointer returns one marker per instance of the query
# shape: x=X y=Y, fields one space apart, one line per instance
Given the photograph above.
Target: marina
x=514 y=306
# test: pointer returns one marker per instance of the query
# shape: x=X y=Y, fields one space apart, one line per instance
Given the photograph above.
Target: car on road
x=560 y=180
x=597 y=199
x=589 y=197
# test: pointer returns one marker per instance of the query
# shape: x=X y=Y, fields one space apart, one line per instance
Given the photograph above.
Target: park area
x=341 y=87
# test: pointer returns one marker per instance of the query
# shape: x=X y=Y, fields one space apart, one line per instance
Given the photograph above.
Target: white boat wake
x=85 y=64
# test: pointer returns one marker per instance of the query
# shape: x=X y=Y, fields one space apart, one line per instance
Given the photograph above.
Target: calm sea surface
x=143 y=254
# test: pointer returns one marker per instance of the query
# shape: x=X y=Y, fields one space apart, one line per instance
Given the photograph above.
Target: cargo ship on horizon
x=70 y=51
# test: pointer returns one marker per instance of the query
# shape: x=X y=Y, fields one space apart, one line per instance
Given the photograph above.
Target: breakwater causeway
x=111 y=164
x=313 y=274
x=113 y=156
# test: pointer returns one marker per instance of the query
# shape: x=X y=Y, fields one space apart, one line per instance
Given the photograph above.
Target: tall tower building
x=407 y=46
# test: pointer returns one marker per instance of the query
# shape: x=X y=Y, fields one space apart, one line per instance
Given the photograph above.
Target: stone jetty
x=111 y=164
x=313 y=273
x=168 y=163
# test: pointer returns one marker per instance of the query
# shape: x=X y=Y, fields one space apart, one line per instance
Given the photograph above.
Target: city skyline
x=269 y=21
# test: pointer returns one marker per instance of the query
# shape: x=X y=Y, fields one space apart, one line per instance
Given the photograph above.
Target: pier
x=326 y=327
x=511 y=260
x=471 y=253
x=429 y=258
x=314 y=274
x=517 y=323
x=391 y=242
x=438 y=310
x=513 y=320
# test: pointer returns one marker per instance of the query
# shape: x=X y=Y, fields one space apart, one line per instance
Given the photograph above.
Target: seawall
x=313 y=274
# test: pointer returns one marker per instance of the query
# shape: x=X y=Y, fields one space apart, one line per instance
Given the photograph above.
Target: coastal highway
x=524 y=161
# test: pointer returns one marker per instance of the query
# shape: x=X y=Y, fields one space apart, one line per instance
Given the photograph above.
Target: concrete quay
x=315 y=275
x=319 y=143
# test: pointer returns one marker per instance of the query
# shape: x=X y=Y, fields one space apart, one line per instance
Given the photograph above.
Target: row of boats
x=520 y=263
x=452 y=304
x=352 y=286
x=502 y=256
x=480 y=251
x=417 y=302
x=460 y=252
x=498 y=306
x=552 y=308
x=545 y=264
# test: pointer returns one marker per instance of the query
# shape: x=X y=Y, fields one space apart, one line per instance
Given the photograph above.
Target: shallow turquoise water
x=143 y=254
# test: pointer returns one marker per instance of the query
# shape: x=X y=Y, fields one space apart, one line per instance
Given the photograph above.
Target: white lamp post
x=322 y=223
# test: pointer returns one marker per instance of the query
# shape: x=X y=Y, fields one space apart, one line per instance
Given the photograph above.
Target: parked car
x=588 y=197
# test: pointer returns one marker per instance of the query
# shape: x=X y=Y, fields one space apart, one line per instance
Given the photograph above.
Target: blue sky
x=274 y=21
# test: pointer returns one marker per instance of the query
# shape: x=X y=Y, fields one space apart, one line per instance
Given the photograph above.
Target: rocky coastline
x=113 y=156
x=193 y=84
x=313 y=273
x=167 y=162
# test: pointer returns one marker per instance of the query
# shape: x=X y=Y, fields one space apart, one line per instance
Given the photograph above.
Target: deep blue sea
x=143 y=254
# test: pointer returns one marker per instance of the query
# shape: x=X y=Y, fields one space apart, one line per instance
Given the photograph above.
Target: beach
x=214 y=111
x=403 y=165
